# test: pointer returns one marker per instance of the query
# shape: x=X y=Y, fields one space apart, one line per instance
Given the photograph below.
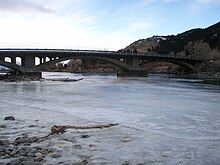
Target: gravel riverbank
x=18 y=144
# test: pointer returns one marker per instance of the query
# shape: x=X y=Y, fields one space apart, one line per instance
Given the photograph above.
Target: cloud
x=23 y=6
x=57 y=32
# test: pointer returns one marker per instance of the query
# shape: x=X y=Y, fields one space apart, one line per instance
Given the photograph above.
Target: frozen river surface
x=161 y=120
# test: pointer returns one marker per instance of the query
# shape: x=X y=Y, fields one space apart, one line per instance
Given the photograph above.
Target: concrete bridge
x=24 y=60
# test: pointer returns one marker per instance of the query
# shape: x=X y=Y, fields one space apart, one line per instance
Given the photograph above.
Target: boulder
x=10 y=118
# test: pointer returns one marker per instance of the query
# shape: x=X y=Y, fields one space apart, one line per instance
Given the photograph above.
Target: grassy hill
x=197 y=42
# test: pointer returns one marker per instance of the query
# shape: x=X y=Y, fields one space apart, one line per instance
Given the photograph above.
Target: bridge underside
x=184 y=65
x=116 y=63
x=12 y=66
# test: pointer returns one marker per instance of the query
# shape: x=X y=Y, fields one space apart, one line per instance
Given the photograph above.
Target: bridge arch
x=182 y=64
x=114 y=62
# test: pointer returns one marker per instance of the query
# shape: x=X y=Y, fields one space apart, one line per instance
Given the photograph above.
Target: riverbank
x=16 y=76
x=205 y=77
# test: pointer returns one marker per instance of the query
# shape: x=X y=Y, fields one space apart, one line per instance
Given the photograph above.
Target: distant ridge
x=199 y=42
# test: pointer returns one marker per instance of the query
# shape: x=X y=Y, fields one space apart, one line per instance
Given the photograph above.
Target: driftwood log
x=62 y=128
x=59 y=130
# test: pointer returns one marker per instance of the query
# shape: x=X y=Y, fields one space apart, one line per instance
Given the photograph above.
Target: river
x=161 y=120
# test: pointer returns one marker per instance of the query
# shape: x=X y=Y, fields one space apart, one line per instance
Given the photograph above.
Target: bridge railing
x=104 y=52
x=54 y=50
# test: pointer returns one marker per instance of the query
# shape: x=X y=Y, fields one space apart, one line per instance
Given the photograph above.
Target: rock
x=126 y=163
x=80 y=162
x=84 y=136
x=31 y=126
x=55 y=155
x=126 y=139
x=3 y=126
x=30 y=154
x=28 y=162
x=44 y=151
x=24 y=139
x=14 y=152
x=38 y=159
x=50 y=150
x=92 y=145
x=2 y=149
x=38 y=148
x=33 y=139
x=4 y=142
x=15 y=161
x=77 y=146
x=6 y=156
x=85 y=161
x=10 y=118
x=23 y=152
x=72 y=140
x=38 y=154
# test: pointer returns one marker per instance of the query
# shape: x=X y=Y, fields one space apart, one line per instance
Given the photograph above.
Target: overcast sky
x=98 y=24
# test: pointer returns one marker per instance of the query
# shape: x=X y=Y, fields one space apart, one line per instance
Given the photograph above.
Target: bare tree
x=198 y=48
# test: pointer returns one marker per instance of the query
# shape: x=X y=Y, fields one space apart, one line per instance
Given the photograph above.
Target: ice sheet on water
x=161 y=121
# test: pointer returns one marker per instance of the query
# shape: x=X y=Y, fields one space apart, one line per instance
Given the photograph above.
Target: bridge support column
x=199 y=66
x=128 y=61
x=133 y=62
x=13 y=60
x=28 y=62
x=43 y=60
x=135 y=70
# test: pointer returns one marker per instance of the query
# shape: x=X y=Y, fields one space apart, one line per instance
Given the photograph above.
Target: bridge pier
x=199 y=66
x=13 y=60
x=135 y=70
x=29 y=63
x=133 y=62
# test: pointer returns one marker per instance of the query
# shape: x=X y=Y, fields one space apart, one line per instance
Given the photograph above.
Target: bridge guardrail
x=149 y=54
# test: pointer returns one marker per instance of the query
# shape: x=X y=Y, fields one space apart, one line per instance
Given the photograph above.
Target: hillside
x=197 y=42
